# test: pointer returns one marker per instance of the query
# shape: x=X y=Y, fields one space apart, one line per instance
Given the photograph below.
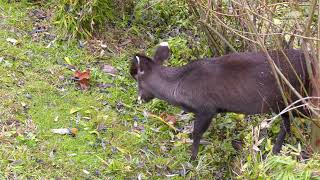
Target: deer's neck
x=165 y=83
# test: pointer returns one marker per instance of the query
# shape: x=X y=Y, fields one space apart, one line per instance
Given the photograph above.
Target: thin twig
x=267 y=122
x=219 y=35
x=261 y=34
x=153 y=116
x=161 y=119
x=234 y=30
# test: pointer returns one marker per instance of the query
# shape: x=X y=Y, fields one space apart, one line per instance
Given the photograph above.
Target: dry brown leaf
x=83 y=78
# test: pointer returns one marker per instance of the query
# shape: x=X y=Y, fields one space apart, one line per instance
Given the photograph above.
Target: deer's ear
x=139 y=65
x=162 y=53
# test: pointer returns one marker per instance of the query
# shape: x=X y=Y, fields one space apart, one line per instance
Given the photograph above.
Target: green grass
x=37 y=95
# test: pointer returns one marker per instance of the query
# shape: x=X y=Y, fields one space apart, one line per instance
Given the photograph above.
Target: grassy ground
x=37 y=95
x=114 y=139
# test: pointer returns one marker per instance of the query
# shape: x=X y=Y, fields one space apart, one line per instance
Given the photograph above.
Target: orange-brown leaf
x=169 y=118
x=82 y=75
x=83 y=78
x=84 y=84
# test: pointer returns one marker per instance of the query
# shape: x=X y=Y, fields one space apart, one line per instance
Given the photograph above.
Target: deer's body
x=240 y=82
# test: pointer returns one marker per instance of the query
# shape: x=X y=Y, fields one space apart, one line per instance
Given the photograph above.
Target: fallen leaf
x=74 y=131
x=104 y=86
x=84 y=84
x=15 y=162
x=74 y=110
x=52 y=153
x=109 y=70
x=82 y=44
x=23 y=104
x=71 y=67
x=67 y=59
x=236 y=144
x=136 y=128
x=86 y=118
x=172 y=175
x=85 y=171
x=169 y=118
x=39 y=14
x=71 y=155
x=101 y=127
x=13 y=41
x=97 y=172
x=103 y=144
x=121 y=150
x=82 y=78
x=163 y=148
x=82 y=75
x=190 y=141
x=28 y=96
x=63 y=131
x=56 y=119
x=277 y=21
x=125 y=42
x=103 y=45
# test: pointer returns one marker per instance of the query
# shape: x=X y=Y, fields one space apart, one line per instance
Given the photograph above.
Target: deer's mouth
x=144 y=99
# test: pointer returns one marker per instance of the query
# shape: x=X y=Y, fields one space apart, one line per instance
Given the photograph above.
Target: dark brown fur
x=240 y=82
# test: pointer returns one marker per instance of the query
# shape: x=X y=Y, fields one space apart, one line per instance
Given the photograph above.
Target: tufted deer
x=239 y=82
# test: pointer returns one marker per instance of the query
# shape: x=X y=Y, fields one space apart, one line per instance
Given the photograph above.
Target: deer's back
x=241 y=82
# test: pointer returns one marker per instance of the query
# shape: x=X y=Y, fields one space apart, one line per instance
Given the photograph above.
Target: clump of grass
x=80 y=18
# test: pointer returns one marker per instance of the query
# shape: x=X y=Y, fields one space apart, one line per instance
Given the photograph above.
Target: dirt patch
x=114 y=41
x=41 y=24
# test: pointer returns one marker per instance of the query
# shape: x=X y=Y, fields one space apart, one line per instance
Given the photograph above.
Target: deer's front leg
x=201 y=124
x=285 y=129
